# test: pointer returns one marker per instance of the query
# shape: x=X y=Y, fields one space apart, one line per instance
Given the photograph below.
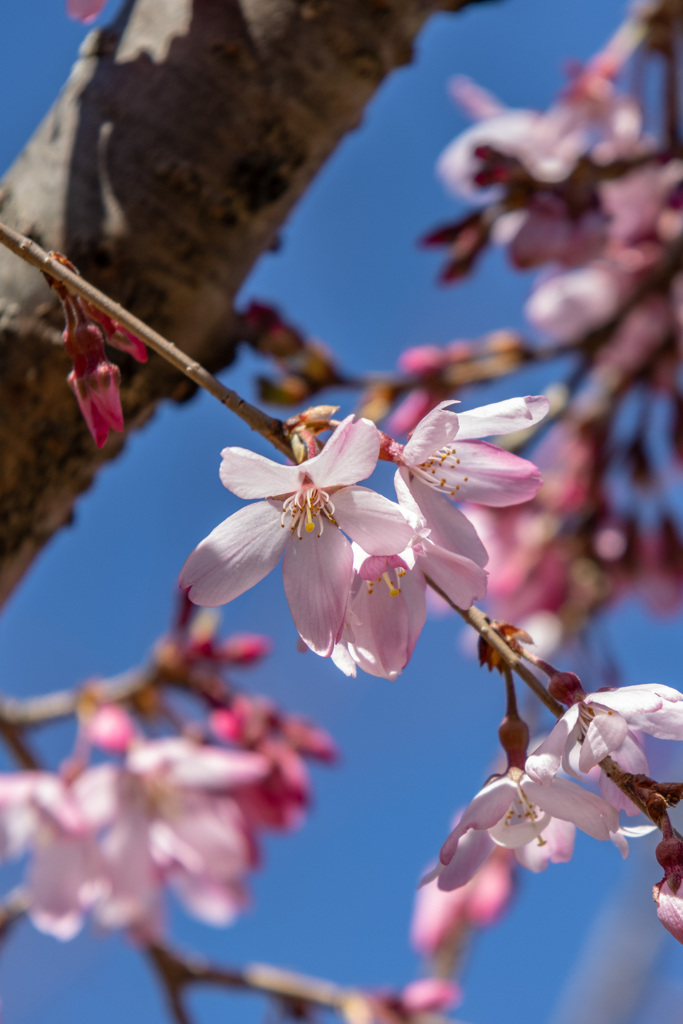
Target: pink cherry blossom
x=445 y=457
x=387 y=604
x=601 y=723
x=315 y=500
x=39 y=813
x=513 y=811
x=169 y=815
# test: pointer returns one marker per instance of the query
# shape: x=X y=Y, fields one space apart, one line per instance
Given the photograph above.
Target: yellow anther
x=393 y=591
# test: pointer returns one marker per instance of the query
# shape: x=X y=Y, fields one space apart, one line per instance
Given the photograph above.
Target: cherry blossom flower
x=601 y=723
x=306 y=508
x=445 y=456
x=38 y=813
x=590 y=116
x=168 y=815
x=512 y=811
x=387 y=605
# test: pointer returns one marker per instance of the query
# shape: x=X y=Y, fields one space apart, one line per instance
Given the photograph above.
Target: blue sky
x=335 y=898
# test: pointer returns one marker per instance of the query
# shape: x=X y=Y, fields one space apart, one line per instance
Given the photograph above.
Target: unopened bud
x=565 y=687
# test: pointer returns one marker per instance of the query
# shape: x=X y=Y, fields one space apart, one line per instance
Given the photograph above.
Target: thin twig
x=63 y=703
x=26 y=249
x=178 y=971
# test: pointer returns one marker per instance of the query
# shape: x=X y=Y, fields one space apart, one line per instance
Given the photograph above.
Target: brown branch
x=177 y=972
x=50 y=707
x=28 y=250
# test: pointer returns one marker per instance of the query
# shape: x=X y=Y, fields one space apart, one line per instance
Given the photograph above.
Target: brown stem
x=27 y=250
x=177 y=972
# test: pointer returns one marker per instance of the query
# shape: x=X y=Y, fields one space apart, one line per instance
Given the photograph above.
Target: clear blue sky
x=334 y=899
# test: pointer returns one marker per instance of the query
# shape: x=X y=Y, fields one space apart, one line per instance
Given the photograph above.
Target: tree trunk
x=181 y=141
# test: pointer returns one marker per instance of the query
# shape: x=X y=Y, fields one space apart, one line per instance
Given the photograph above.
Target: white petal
x=433 y=432
x=249 y=475
x=317 y=573
x=502 y=417
x=473 y=849
x=349 y=455
x=449 y=527
x=371 y=520
x=487 y=808
x=236 y=555
x=604 y=734
x=543 y=765
x=461 y=579
x=570 y=802
x=629 y=700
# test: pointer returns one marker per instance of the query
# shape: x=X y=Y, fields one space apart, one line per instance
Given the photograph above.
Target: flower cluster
x=182 y=812
x=364 y=604
x=533 y=811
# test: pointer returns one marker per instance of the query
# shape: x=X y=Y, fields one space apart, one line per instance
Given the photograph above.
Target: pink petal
x=485 y=810
x=349 y=455
x=631 y=758
x=545 y=762
x=628 y=700
x=249 y=475
x=488 y=475
x=472 y=850
x=213 y=902
x=460 y=578
x=317 y=573
x=430 y=995
x=666 y=724
x=670 y=910
x=213 y=768
x=570 y=802
x=371 y=520
x=62 y=871
x=84 y=10
x=604 y=734
x=236 y=555
x=96 y=791
x=449 y=527
x=502 y=417
x=388 y=627
x=437 y=429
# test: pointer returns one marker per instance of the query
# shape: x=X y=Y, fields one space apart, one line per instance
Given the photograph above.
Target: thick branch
x=176 y=150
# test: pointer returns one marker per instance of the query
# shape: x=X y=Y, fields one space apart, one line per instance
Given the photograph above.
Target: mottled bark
x=178 y=146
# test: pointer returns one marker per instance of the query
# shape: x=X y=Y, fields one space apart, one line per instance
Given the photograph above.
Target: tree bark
x=183 y=137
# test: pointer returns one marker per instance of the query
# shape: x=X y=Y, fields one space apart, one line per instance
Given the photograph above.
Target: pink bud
x=97 y=394
x=430 y=995
x=243 y=648
x=310 y=739
x=422 y=360
x=111 y=728
x=226 y=724
x=84 y=10
x=669 y=909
